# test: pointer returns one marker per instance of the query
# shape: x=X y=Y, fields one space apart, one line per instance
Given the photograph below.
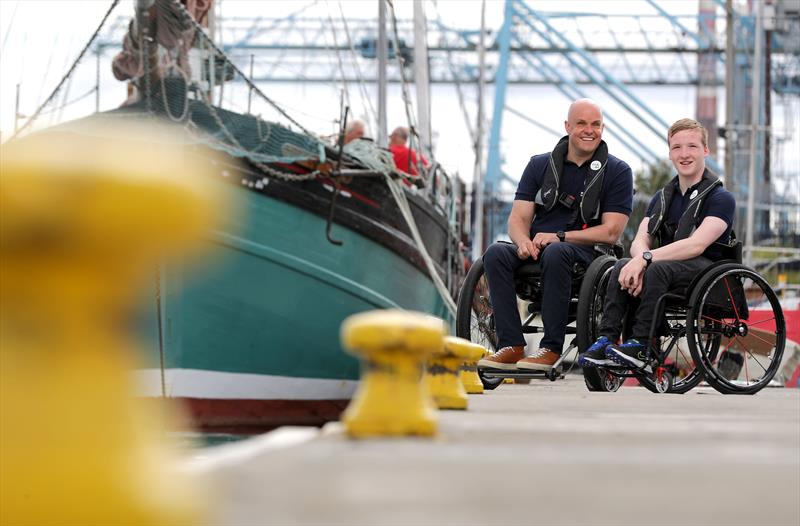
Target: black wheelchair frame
x=475 y=321
x=713 y=308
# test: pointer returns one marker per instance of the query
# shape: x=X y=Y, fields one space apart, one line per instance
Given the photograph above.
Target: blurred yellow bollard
x=468 y=372
x=84 y=217
x=442 y=375
x=393 y=346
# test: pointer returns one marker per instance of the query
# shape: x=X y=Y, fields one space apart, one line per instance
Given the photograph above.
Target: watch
x=648 y=258
x=561 y=235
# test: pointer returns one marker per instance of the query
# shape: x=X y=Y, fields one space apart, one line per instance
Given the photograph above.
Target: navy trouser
x=556 y=261
x=659 y=278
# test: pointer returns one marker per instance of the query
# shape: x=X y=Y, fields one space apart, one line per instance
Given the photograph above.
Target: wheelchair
x=726 y=327
x=475 y=318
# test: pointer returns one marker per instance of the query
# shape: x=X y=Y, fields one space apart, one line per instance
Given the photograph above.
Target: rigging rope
x=68 y=73
x=361 y=85
x=338 y=56
x=250 y=84
x=406 y=96
x=402 y=203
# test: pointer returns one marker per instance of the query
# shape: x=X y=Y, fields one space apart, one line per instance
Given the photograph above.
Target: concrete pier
x=544 y=453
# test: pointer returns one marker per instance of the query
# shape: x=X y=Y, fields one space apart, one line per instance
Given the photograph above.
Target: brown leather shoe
x=541 y=360
x=506 y=358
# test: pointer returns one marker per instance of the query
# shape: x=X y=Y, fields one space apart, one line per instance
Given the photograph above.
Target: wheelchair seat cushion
x=529 y=269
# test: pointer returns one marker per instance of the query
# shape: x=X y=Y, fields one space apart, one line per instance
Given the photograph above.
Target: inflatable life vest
x=690 y=219
x=587 y=205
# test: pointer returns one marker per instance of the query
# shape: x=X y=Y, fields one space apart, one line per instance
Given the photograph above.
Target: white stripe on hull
x=197 y=383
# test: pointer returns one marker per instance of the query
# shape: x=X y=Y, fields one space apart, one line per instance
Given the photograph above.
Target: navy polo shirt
x=616 y=194
x=719 y=203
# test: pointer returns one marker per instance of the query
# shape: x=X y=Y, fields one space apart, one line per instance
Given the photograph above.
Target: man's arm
x=642 y=241
x=630 y=277
x=709 y=231
x=519 y=226
x=608 y=231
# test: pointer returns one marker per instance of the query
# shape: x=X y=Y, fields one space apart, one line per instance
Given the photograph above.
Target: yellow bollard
x=442 y=377
x=393 y=346
x=84 y=217
x=468 y=372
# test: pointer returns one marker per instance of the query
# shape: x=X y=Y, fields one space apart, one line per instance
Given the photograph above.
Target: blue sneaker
x=595 y=356
x=632 y=354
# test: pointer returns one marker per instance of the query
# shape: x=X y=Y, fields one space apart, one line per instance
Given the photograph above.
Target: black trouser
x=659 y=278
x=501 y=261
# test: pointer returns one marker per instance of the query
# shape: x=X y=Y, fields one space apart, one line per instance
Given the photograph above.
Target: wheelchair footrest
x=501 y=373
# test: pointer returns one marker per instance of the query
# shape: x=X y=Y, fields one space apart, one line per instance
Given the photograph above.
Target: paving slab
x=544 y=453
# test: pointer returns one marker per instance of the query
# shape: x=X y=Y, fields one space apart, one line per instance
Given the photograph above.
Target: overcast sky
x=41 y=38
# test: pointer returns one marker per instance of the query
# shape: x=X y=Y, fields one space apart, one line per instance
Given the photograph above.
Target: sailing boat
x=323 y=232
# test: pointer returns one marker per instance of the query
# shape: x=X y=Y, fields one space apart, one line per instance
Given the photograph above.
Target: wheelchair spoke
x=746 y=373
x=716 y=362
x=757 y=361
x=757 y=337
x=751 y=323
x=688 y=359
x=730 y=297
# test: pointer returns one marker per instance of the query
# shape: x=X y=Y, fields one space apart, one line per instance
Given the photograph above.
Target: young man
x=567 y=201
x=685 y=218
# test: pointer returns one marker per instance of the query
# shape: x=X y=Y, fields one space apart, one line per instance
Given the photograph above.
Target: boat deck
x=544 y=453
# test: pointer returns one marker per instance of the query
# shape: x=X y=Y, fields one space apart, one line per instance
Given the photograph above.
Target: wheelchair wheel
x=474 y=315
x=590 y=309
x=734 y=305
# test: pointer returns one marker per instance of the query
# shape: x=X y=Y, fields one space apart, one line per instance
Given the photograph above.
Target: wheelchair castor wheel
x=663 y=380
x=552 y=375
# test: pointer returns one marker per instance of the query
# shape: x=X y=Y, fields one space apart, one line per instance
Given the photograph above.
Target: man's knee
x=660 y=270
x=557 y=254
x=498 y=253
x=618 y=268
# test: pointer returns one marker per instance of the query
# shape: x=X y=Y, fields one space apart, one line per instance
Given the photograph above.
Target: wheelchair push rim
x=735 y=305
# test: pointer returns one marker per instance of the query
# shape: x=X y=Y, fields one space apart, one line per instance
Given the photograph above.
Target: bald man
x=567 y=201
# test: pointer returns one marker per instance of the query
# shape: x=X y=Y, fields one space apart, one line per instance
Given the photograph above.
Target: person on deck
x=405 y=158
x=567 y=201
x=354 y=130
x=689 y=219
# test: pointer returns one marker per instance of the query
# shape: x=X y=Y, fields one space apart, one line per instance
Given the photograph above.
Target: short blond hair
x=688 y=124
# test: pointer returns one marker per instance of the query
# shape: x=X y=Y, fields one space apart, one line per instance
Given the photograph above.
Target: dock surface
x=544 y=453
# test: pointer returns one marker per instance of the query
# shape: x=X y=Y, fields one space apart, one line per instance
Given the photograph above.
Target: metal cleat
x=442 y=375
x=393 y=346
x=468 y=372
x=86 y=217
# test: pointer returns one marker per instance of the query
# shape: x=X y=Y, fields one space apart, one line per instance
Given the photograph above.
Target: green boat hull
x=252 y=337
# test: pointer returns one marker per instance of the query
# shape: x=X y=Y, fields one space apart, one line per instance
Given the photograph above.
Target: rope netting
x=169 y=68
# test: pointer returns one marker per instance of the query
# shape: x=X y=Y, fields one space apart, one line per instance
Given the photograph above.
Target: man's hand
x=541 y=240
x=525 y=249
x=631 y=277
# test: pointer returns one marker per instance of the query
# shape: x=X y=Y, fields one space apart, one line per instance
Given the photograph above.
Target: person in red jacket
x=404 y=157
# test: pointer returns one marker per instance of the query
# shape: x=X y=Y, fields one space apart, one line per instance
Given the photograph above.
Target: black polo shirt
x=616 y=195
